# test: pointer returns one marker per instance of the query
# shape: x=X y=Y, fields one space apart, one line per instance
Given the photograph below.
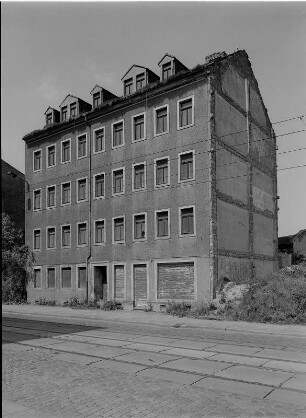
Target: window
x=66 y=193
x=99 y=185
x=140 y=81
x=140 y=226
x=66 y=235
x=64 y=113
x=66 y=151
x=161 y=120
x=66 y=277
x=82 y=190
x=82 y=233
x=96 y=99
x=37 y=199
x=139 y=176
x=162 y=169
x=100 y=231
x=51 y=199
x=37 y=278
x=37 y=160
x=49 y=119
x=187 y=221
x=82 y=282
x=73 y=110
x=50 y=277
x=185 y=113
x=118 y=231
x=186 y=168
x=138 y=127
x=99 y=140
x=51 y=237
x=118 y=181
x=82 y=146
x=118 y=136
x=36 y=239
x=51 y=162
x=162 y=224
x=128 y=87
x=166 y=71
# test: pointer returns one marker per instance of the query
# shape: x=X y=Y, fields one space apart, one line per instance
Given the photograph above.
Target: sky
x=51 y=49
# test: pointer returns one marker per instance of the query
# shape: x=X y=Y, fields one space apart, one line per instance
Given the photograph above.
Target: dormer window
x=73 y=110
x=166 y=71
x=49 y=119
x=140 y=81
x=64 y=113
x=96 y=99
x=128 y=86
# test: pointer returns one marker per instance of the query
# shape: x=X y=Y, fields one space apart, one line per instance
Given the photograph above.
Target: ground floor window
x=66 y=277
x=175 y=281
x=51 y=277
x=81 y=277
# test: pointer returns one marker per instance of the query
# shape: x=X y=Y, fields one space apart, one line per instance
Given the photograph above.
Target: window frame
x=156 y=224
x=133 y=225
x=82 y=265
x=62 y=143
x=163 y=70
x=73 y=106
x=64 y=109
x=47 y=156
x=158 y=186
x=77 y=234
x=94 y=186
x=144 y=127
x=40 y=239
x=86 y=190
x=47 y=195
x=40 y=207
x=65 y=204
x=62 y=226
x=35 y=152
x=129 y=82
x=77 y=146
x=40 y=269
x=65 y=266
x=179 y=166
x=47 y=269
x=142 y=74
x=178 y=112
x=123 y=139
x=94 y=140
x=95 y=237
x=180 y=221
x=49 y=121
x=47 y=230
x=95 y=96
x=144 y=163
x=156 y=109
x=113 y=230
x=123 y=181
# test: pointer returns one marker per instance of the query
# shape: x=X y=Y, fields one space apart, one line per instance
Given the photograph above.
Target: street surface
x=68 y=363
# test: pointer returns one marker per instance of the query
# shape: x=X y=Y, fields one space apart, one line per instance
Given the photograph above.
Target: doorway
x=140 y=285
x=100 y=282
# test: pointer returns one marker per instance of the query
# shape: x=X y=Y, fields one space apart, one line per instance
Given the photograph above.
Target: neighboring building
x=158 y=194
x=290 y=247
x=299 y=243
x=13 y=194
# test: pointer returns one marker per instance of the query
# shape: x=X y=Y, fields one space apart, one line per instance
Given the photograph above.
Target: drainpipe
x=89 y=208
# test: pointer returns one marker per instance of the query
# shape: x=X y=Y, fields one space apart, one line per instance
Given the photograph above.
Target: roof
x=97 y=85
x=50 y=108
x=301 y=232
x=173 y=57
x=135 y=65
x=71 y=95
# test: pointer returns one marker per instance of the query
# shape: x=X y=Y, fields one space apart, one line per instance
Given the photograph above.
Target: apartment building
x=156 y=195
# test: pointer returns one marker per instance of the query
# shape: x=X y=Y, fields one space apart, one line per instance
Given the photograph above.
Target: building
x=13 y=194
x=158 y=194
x=291 y=248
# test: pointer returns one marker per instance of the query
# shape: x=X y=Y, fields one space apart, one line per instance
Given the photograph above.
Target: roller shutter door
x=175 y=281
x=140 y=284
x=119 y=281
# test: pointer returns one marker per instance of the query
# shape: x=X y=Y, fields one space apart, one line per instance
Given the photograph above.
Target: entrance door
x=140 y=285
x=100 y=282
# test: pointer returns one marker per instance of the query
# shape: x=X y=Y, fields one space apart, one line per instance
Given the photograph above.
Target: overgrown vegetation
x=45 y=302
x=17 y=261
x=76 y=303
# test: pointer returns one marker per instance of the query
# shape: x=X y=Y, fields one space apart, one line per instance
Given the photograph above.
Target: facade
x=156 y=195
x=291 y=248
x=13 y=194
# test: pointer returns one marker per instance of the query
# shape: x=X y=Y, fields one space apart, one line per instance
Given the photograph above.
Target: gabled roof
x=97 y=85
x=135 y=65
x=301 y=232
x=172 y=57
x=71 y=95
x=50 y=108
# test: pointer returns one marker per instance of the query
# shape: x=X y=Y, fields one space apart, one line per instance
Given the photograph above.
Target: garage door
x=140 y=285
x=175 y=281
x=119 y=281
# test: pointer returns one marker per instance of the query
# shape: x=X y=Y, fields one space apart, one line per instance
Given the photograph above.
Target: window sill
x=179 y=128
x=160 y=134
x=51 y=166
x=187 y=180
x=117 y=146
x=138 y=140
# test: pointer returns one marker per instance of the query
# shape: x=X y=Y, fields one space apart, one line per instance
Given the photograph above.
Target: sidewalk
x=98 y=318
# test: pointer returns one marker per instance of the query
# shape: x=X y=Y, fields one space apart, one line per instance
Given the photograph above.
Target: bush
x=46 y=302
x=76 y=303
x=178 y=308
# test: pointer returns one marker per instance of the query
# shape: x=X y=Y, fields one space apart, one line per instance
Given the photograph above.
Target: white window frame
x=41 y=279
x=113 y=230
x=155 y=120
x=77 y=146
x=66 y=246
x=133 y=225
x=144 y=127
x=46 y=274
x=66 y=140
x=94 y=186
x=179 y=166
x=41 y=199
x=94 y=140
x=120 y=193
x=65 y=204
x=158 y=186
x=41 y=160
x=180 y=221
x=144 y=163
x=47 y=156
x=37 y=249
x=124 y=266
x=77 y=275
x=77 y=234
x=47 y=195
x=178 y=112
x=47 y=228
x=95 y=221
x=156 y=225
x=86 y=190
x=63 y=266
x=123 y=136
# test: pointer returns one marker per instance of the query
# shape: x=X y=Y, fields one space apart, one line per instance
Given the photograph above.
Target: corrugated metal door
x=140 y=285
x=119 y=281
x=175 y=281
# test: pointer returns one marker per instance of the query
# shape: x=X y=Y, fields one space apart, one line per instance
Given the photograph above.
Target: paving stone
x=109 y=335
x=150 y=359
x=41 y=342
x=95 y=340
x=118 y=366
x=185 y=352
x=76 y=358
x=248 y=389
x=193 y=345
x=146 y=347
x=283 y=395
x=297 y=382
x=197 y=366
x=254 y=375
x=154 y=340
x=283 y=355
x=235 y=349
x=288 y=366
x=169 y=375
x=231 y=358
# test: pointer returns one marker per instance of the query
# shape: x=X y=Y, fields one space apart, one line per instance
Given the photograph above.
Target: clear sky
x=52 y=49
